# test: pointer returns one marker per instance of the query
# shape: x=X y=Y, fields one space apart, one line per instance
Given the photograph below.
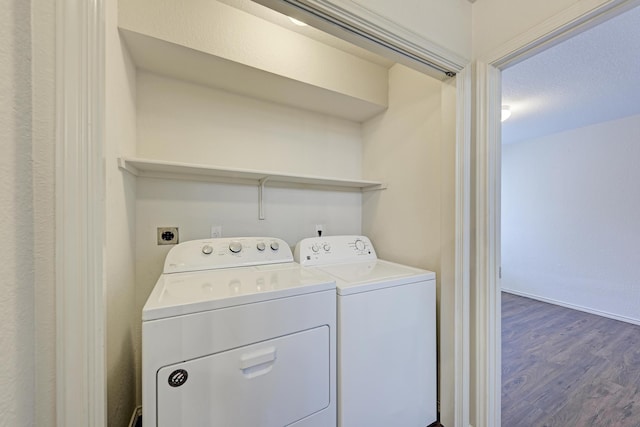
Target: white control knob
x=261 y=246
x=235 y=247
x=315 y=247
x=359 y=245
x=207 y=249
x=275 y=246
x=326 y=247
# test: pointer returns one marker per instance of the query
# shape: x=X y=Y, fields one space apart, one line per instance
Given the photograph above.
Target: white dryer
x=235 y=333
x=387 y=374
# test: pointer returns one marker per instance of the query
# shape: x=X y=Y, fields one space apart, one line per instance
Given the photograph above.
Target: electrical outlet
x=319 y=229
x=216 y=231
x=167 y=235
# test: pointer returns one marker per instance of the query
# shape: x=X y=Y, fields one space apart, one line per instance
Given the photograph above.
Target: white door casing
x=462 y=374
x=486 y=247
x=80 y=213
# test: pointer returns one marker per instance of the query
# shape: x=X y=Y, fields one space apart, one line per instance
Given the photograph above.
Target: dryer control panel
x=228 y=252
x=334 y=250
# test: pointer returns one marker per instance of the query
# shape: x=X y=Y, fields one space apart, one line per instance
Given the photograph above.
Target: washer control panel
x=228 y=252
x=334 y=250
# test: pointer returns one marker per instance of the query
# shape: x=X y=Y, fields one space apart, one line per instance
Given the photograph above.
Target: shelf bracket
x=261 y=183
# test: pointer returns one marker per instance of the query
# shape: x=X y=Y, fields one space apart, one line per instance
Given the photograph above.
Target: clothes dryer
x=235 y=333
x=386 y=333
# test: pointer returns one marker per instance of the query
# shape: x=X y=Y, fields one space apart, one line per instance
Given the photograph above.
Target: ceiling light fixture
x=295 y=21
x=506 y=113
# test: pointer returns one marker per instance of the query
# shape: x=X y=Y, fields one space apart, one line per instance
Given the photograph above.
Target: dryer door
x=272 y=383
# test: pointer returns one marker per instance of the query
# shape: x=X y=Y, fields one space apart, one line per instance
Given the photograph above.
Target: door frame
x=485 y=246
x=80 y=212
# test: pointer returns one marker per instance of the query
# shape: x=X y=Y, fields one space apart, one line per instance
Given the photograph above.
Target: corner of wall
x=120 y=139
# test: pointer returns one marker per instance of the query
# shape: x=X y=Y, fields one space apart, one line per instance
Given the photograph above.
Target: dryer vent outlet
x=167 y=235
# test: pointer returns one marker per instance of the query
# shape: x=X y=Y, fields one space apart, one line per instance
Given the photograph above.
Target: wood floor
x=566 y=368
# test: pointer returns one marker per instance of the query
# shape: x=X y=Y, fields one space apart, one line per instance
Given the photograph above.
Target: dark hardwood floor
x=566 y=368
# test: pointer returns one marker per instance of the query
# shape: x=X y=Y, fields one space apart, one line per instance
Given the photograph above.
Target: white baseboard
x=134 y=417
x=574 y=307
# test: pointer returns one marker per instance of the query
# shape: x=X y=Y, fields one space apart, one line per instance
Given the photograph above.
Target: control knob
x=315 y=247
x=261 y=246
x=359 y=245
x=275 y=246
x=235 y=247
x=207 y=249
x=326 y=247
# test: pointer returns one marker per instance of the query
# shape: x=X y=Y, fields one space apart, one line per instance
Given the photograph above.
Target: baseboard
x=574 y=307
x=136 y=417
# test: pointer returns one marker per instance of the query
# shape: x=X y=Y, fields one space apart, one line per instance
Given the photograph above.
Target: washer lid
x=371 y=275
x=185 y=293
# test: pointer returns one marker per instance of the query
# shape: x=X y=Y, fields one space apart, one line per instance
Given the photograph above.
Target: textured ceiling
x=590 y=78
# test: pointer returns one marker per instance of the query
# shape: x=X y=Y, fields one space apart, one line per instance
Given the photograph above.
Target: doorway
x=486 y=169
x=565 y=149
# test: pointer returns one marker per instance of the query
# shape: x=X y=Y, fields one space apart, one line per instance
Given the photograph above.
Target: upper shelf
x=191 y=65
x=175 y=170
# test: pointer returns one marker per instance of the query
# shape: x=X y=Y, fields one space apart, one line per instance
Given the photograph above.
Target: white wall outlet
x=216 y=231
x=167 y=235
x=319 y=229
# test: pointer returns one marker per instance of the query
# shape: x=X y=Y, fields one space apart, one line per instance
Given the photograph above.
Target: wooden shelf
x=175 y=170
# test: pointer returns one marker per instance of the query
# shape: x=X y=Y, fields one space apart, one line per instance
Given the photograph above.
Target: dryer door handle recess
x=258 y=362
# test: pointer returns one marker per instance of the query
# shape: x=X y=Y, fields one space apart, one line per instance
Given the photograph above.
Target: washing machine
x=387 y=374
x=236 y=334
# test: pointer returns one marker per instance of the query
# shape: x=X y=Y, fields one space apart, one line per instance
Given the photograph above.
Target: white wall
x=570 y=209
x=190 y=123
x=120 y=140
x=496 y=22
x=402 y=147
x=17 y=336
x=446 y=23
x=412 y=148
x=43 y=13
x=27 y=335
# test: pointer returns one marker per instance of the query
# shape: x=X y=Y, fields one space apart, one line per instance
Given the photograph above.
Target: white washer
x=235 y=333
x=386 y=334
